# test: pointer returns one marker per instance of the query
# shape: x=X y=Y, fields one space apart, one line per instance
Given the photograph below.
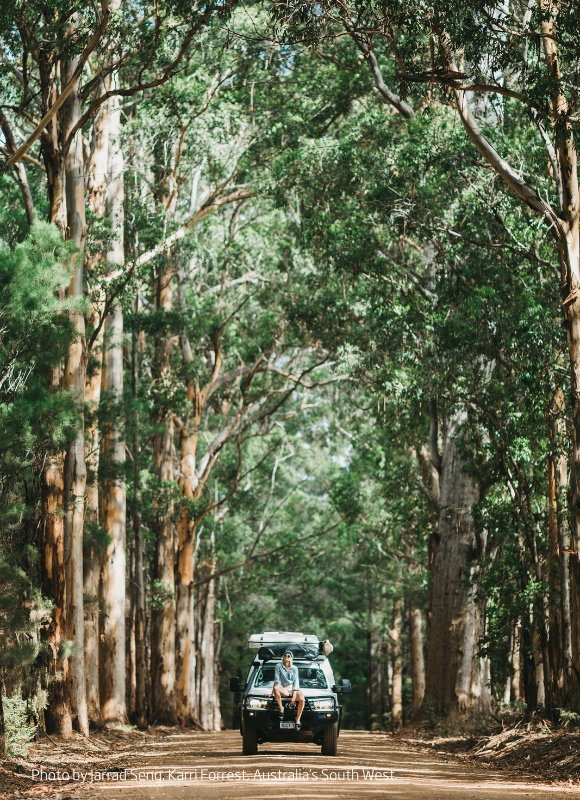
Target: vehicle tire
x=330 y=740
x=249 y=741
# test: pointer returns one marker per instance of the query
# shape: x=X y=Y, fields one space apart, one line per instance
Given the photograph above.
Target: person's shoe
x=298 y=726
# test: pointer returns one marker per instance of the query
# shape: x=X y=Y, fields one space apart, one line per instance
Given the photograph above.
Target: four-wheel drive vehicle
x=259 y=720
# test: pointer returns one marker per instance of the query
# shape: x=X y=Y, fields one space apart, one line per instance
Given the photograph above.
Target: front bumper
x=267 y=722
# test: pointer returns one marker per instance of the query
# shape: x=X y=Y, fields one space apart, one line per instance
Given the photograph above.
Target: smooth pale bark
x=113 y=700
x=163 y=698
x=554 y=606
x=508 y=684
x=473 y=677
x=186 y=530
x=397 y=654
x=130 y=617
x=163 y=617
x=377 y=681
x=139 y=583
x=92 y=561
x=96 y=189
x=207 y=646
x=112 y=670
x=539 y=670
x=561 y=475
x=417 y=656
x=74 y=381
x=455 y=677
x=516 y=693
x=185 y=620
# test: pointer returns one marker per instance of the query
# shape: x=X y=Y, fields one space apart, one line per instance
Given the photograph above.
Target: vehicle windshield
x=309 y=677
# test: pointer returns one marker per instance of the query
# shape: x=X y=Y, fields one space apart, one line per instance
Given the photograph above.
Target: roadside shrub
x=19 y=731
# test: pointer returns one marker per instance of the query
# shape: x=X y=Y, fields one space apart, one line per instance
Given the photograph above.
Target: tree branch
x=211 y=204
x=53 y=110
x=265 y=554
x=515 y=182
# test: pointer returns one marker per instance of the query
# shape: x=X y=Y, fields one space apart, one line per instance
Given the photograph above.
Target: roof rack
x=258 y=640
x=271 y=645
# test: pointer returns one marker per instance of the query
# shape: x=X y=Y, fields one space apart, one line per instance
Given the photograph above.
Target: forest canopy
x=289 y=330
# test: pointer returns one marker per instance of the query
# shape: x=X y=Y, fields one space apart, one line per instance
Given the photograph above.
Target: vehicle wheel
x=249 y=741
x=330 y=740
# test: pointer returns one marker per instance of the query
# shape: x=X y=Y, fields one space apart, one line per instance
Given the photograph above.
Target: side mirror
x=343 y=688
x=235 y=684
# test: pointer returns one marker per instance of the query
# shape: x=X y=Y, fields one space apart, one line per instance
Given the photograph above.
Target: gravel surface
x=166 y=764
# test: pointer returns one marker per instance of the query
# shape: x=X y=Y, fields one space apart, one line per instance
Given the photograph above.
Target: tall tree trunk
x=74 y=381
x=397 y=651
x=417 y=656
x=113 y=704
x=163 y=696
x=130 y=615
x=554 y=604
x=185 y=631
x=92 y=558
x=563 y=561
x=560 y=552
x=96 y=188
x=139 y=584
x=529 y=681
x=516 y=692
x=208 y=706
x=58 y=714
x=539 y=664
x=377 y=683
x=454 y=678
x=567 y=233
x=186 y=534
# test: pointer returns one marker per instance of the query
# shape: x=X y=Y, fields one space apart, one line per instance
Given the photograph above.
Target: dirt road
x=210 y=767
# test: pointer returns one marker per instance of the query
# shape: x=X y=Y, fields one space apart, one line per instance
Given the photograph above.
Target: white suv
x=259 y=719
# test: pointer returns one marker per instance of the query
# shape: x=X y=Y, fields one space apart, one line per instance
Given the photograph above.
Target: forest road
x=209 y=766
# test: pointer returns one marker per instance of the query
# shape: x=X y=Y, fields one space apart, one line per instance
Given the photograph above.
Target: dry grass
x=525 y=746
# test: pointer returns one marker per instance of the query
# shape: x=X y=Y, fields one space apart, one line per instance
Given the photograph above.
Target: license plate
x=288 y=725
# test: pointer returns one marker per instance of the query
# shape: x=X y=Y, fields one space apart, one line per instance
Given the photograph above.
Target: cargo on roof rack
x=258 y=640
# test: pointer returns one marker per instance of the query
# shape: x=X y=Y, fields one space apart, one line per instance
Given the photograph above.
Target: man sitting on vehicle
x=286 y=684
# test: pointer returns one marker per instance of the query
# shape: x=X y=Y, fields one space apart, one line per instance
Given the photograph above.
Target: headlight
x=323 y=705
x=256 y=702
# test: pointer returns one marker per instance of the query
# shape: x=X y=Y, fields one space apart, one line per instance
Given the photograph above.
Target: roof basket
x=268 y=638
x=273 y=645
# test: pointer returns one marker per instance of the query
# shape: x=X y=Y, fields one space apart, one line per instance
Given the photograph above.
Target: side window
x=312 y=678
